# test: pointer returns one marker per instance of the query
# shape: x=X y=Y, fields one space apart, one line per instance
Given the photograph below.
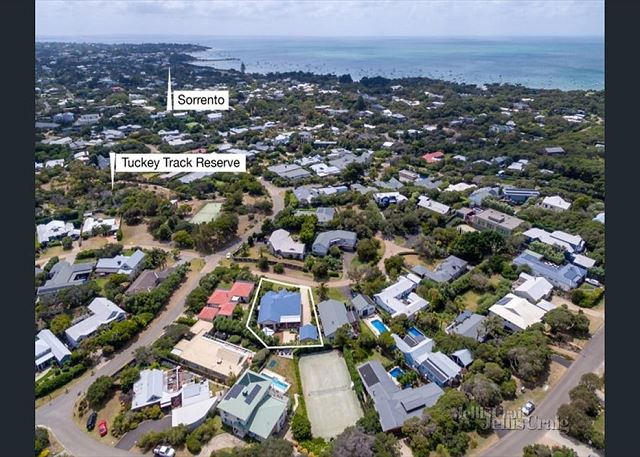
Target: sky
x=441 y=18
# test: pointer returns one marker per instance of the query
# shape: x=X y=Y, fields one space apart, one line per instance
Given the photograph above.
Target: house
x=553 y=151
x=433 y=157
x=322 y=170
x=400 y=298
x=427 y=183
x=563 y=240
x=565 y=277
x=48 y=349
x=468 y=324
x=582 y=261
x=280 y=243
x=253 y=408
x=322 y=214
x=555 y=203
x=110 y=225
x=282 y=309
x=392 y=184
x=333 y=315
x=342 y=238
x=460 y=187
x=363 y=305
x=306 y=194
x=363 y=189
x=490 y=219
x=121 y=264
x=476 y=197
x=414 y=346
x=55 y=230
x=308 y=332
x=386 y=198
x=408 y=176
x=516 y=195
x=394 y=404
x=292 y=172
x=462 y=357
x=433 y=206
x=517 y=312
x=102 y=312
x=439 y=369
x=209 y=356
x=152 y=388
x=222 y=302
x=63 y=274
x=449 y=269
x=147 y=281
x=532 y=288
x=599 y=218
x=196 y=403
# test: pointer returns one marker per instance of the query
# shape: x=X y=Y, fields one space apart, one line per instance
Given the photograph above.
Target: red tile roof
x=432 y=157
x=208 y=313
x=241 y=289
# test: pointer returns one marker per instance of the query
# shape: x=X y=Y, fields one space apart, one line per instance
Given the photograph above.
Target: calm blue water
x=414 y=332
x=397 y=371
x=562 y=63
x=379 y=325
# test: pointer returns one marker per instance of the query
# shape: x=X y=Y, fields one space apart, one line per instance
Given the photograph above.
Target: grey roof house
x=63 y=275
x=50 y=348
x=393 y=404
x=121 y=264
x=449 y=269
x=102 y=312
x=565 y=277
x=468 y=324
x=363 y=305
x=333 y=315
x=341 y=238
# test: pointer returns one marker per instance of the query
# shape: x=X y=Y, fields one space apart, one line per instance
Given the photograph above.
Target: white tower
x=169 y=94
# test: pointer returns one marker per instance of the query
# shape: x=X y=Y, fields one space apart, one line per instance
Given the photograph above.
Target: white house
x=400 y=298
x=434 y=206
x=102 y=312
x=518 y=313
x=280 y=243
x=533 y=288
x=48 y=349
x=555 y=203
x=121 y=264
x=90 y=223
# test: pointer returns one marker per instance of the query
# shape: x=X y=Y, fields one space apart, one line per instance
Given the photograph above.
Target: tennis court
x=207 y=213
x=331 y=403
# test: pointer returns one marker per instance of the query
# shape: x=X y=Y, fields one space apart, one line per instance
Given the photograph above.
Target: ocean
x=566 y=63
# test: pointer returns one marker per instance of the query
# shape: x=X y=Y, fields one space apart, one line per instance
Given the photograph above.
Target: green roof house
x=252 y=407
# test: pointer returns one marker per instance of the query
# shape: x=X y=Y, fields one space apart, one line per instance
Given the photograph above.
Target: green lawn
x=470 y=299
x=101 y=282
x=598 y=424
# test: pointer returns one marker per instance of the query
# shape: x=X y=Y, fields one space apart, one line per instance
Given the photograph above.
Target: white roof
x=148 y=389
x=534 y=287
x=556 y=238
x=599 y=217
x=557 y=202
x=583 y=261
x=48 y=346
x=418 y=352
x=517 y=311
x=53 y=229
x=460 y=187
x=281 y=241
x=103 y=311
x=196 y=404
x=391 y=297
x=432 y=205
x=90 y=223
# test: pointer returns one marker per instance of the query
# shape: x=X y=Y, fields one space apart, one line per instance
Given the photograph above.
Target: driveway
x=131 y=438
x=222 y=441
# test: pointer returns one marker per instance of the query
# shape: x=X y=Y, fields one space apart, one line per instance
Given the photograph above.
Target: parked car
x=102 y=427
x=228 y=256
x=593 y=282
x=528 y=408
x=164 y=451
x=91 y=420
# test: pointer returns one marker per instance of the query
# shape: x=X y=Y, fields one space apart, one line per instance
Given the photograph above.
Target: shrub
x=99 y=391
x=51 y=383
x=301 y=427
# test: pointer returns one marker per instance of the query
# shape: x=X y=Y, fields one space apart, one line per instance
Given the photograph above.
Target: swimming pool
x=379 y=325
x=414 y=332
x=283 y=386
x=396 y=371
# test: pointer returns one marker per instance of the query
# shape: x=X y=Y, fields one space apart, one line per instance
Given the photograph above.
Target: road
x=590 y=360
x=57 y=414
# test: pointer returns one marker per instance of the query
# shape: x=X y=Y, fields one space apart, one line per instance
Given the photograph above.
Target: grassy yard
x=101 y=282
x=470 y=299
x=197 y=264
x=333 y=293
x=598 y=424
x=284 y=367
x=376 y=355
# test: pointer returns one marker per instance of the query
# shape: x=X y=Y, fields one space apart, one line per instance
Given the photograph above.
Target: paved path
x=590 y=360
x=390 y=249
x=131 y=438
x=57 y=414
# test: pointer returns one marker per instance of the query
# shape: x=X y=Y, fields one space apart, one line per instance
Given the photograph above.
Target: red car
x=102 y=427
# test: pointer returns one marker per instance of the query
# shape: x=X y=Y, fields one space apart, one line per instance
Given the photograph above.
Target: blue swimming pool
x=414 y=332
x=283 y=386
x=379 y=325
x=397 y=371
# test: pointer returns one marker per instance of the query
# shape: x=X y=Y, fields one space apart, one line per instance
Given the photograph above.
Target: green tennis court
x=207 y=213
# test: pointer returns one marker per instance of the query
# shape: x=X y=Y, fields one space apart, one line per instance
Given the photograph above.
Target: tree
x=99 y=391
x=323 y=291
x=408 y=378
x=483 y=390
x=263 y=263
x=128 y=377
x=342 y=336
x=300 y=426
x=370 y=421
x=42 y=440
x=367 y=249
x=353 y=442
x=386 y=445
x=275 y=447
x=541 y=450
x=576 y=423
x=183 y=239
x=60 y=323
x=320 y=270
x=394 y=265
x=278 y=268
x=585 y=398
x=67 y=243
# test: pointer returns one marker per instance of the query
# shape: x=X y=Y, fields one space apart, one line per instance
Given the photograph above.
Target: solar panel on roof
x=235 y=391
x=368 y=375
x=252 y=394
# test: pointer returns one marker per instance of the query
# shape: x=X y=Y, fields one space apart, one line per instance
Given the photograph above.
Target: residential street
x=590 y=360
x=57 y=414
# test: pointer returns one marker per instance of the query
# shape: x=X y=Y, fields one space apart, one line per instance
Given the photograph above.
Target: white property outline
x=313 y=306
